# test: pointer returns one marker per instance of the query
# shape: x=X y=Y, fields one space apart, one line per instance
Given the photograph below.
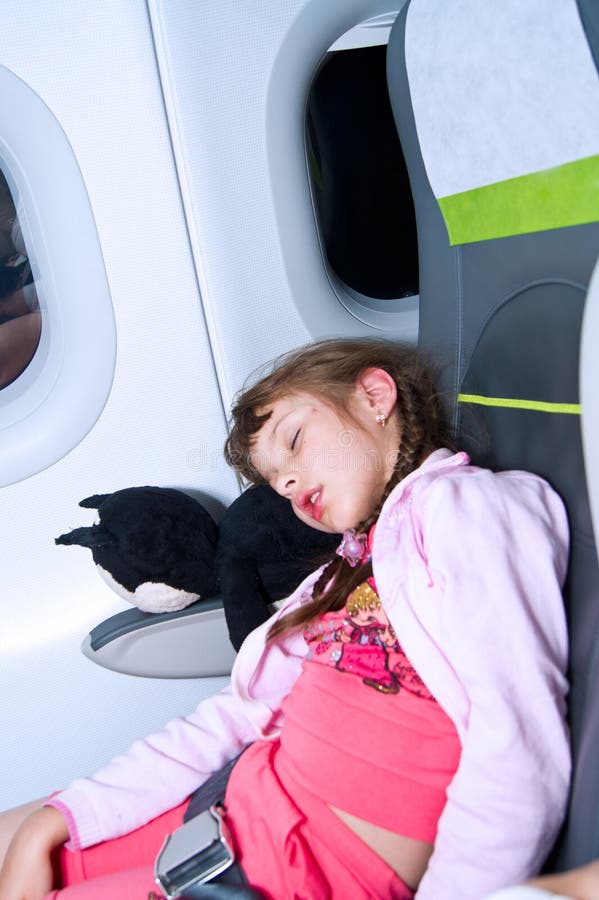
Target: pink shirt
x=361 y=729
x=386 y=758
x=469 y=566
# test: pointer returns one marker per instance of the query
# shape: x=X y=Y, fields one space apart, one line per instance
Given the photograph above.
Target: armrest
x=190 y=643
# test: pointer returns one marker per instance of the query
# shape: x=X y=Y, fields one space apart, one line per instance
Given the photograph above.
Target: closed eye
x=295 y=438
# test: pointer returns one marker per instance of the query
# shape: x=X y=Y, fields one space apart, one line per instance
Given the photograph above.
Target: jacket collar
x=438 y=459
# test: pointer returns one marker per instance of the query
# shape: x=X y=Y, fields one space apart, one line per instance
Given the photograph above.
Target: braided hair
x=329 y=370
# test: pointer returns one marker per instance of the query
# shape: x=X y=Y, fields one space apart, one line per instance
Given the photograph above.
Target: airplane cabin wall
x=236 y=79
x=190 y=144
x=94 y=66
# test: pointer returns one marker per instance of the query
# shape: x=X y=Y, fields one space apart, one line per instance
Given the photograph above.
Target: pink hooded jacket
x=469 y=566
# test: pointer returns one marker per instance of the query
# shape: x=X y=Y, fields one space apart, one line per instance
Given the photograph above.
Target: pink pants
x=121 y=869
x=289 y=844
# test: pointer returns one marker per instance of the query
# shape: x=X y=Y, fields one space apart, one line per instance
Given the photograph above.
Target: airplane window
x=57 y=328
x=20 y=314
x=360 y=185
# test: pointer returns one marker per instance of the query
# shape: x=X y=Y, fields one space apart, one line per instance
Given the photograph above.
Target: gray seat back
x=496 y=108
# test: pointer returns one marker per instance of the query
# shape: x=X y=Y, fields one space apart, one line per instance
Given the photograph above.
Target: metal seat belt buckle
x=197 y=852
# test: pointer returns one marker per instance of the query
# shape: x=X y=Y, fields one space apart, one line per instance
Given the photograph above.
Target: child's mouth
x=310 y=503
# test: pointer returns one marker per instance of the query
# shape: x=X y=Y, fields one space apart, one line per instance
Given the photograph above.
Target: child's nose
x=286 y=486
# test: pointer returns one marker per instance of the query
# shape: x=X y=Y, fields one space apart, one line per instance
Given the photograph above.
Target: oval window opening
x=362 y=194
x=20 y=314
x=57 y=329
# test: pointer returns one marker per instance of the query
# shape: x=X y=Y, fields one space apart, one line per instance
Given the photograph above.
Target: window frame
x=325 y=304
x=50 y=407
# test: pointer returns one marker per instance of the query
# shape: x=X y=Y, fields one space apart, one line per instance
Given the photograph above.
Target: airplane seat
x=495 y=106
x=589 y=16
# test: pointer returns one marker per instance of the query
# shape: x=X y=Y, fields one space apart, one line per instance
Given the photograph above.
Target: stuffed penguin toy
x=154 y=546
x=160 y=550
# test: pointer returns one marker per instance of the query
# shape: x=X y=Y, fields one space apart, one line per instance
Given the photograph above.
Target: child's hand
x=579 y=884
x=27 y=870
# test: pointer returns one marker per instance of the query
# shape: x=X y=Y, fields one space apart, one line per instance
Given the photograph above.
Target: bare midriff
x=406 y=856
x=364 y=734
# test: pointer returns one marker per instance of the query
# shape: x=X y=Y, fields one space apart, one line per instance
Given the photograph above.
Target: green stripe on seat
x=572 y=409
x=553 y=198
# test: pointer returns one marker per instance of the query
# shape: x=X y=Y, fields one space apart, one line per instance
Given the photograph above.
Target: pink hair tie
x=353 y=547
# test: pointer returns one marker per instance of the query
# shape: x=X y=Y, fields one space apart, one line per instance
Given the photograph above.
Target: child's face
x=333 y=471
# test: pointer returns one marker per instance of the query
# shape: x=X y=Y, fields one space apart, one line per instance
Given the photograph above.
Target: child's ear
x=378 y=389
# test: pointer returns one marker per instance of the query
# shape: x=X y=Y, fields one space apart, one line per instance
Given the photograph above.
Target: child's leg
x=11 y=820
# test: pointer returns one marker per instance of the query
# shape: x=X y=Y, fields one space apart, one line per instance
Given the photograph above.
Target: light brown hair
x=329 y=370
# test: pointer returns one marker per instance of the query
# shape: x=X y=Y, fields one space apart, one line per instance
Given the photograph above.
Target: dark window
x=360 y=183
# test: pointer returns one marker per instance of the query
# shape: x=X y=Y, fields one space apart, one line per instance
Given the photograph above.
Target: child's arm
x=496 y=550
x=160 y=771
x=157 y=772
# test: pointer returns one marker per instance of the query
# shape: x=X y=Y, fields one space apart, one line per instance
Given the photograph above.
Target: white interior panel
x=93 y=65
x=236 y=77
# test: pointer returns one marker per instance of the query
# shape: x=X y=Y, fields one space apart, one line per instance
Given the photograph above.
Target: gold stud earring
x=381 y=418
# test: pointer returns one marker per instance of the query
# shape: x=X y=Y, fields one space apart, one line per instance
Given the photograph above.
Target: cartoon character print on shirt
x=359 y=639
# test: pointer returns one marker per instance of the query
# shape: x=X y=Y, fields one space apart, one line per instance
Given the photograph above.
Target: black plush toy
x=263 y=553
x=161 y=550
x=154 y=546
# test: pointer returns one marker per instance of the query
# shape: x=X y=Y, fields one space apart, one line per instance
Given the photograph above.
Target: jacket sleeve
x=495 y=548
x=160 y=771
